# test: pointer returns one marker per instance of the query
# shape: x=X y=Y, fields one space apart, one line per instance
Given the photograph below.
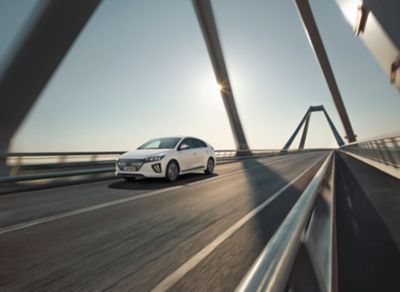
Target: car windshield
x=163 y=143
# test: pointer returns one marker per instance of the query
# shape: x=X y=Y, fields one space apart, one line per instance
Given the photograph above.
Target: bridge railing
x=27 y=166
x=308 y=230
x=385 y=150
x=234 y=155
x=24 y=166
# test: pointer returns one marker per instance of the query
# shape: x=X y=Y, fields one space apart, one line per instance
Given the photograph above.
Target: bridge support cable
x=291 y=139
x=305 y=121
x=311 y=28
x=53 y=32
x=333 y=128
x=305 y=130
x=208 y=26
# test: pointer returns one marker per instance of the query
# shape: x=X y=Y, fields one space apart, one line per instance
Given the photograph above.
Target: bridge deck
x=137 y=243
x=133 y=236
x=368 y=226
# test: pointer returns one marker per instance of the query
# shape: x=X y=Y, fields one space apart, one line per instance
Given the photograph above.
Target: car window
x=163 y=143
x=189 y=142
x=199 y=144
x=153 y=144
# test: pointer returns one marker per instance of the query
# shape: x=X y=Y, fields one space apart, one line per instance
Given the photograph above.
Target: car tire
x=172 y=171
x=129 y=178
x=210 y=166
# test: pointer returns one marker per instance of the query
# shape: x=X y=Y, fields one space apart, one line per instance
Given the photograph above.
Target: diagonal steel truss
x=305 y=121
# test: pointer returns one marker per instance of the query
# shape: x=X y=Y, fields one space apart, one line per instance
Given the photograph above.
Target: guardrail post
x=396 y=150
x=385 y=151
x=378 y=152
x=15 y=168
x=4 y=171
x=62 y=159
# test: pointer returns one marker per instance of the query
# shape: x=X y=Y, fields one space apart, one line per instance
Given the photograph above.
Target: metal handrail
x=46 y=165
x=384 y=149
x=70 y=153
x=67 y=164
x=55 y=175
x=272 y=268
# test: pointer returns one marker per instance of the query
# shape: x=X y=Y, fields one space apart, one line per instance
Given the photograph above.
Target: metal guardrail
x=385 y=149
x=24 y=166
x=304 y=228
x=234 y=155
x=27 y=166
x=45 y=165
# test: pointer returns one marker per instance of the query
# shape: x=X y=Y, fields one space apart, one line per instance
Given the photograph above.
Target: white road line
x=120 y=201
x=81 y=211
x=238 y=171
x=173 y=278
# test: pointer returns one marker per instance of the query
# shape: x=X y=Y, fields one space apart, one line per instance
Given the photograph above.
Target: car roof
x=169 y=137
x=180 y=137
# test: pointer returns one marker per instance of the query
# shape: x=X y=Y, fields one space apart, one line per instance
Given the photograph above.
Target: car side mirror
x=184 y=147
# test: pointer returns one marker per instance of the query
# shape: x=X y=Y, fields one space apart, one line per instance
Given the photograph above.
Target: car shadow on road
x=159 y=183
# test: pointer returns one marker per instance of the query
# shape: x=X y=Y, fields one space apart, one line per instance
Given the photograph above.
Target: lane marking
x=176 y=276
x=81 y=211
x=239 y=171
x=245 y=169
x=119 y=201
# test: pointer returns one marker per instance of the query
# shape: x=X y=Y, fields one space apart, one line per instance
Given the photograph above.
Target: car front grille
x=130 y=164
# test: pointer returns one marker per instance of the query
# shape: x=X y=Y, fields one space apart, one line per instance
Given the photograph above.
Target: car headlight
x=154 y=158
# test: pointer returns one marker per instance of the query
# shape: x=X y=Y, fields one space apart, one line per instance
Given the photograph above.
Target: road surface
x=201 y=233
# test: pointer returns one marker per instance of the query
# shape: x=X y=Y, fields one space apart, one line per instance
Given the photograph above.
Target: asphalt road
x=200 y=234
x=368 y=230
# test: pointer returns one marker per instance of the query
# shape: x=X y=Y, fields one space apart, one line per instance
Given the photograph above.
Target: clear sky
x=140 y=70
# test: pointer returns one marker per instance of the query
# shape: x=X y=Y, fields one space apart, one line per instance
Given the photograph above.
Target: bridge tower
x=310 y=25
x=305 y=121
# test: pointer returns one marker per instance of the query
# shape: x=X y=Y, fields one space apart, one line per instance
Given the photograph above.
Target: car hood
x=143 y=153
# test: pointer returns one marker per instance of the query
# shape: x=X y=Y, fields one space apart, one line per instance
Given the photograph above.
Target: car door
x=201 y=153
x=187 y=154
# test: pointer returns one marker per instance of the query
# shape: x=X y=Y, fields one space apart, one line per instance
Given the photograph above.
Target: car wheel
x=129 y=178
x=172 y=171
x=210 y=166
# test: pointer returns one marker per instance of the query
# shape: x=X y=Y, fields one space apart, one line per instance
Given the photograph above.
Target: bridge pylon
x=305 y=121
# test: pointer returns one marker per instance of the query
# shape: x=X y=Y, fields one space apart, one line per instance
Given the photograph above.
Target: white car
x=166 y=157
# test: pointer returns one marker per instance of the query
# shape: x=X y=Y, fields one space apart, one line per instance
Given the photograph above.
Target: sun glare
x=211 y=88
x=216 y=87
x=220 y=87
